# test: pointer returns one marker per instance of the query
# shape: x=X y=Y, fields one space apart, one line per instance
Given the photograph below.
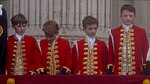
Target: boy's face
x=127 y=17
x=51 y=38
x=20 y=28
x=91 y=30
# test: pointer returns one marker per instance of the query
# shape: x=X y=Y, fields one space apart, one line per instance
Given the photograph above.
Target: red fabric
x=74 y=79
x=78 y=58
x=63 y=53
x=32 y=53
x=141 y=47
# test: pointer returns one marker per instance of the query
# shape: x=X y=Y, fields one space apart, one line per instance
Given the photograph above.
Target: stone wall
x=69 y=15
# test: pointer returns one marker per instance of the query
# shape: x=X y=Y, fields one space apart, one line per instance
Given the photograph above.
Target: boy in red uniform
x=56 y=52
x=23 y=54
x=128 y=45
x=89 y=54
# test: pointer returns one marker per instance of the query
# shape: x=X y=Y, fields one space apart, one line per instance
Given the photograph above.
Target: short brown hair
x=89 y=20
x=50 y=27
x=18 y=19
x=128 y=7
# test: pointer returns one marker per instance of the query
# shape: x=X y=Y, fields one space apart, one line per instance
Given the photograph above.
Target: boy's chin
x=20 y=34
x=127 y=24
x=92 y=36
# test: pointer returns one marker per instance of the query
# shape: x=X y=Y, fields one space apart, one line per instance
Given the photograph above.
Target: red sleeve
x=110 y=52
x=105 y=56
x=74 y=56
x=68 y=56
x=36 y=63
x=145 y=46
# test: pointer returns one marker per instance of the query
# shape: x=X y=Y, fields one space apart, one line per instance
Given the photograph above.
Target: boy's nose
x=128 y=17
x=22 y=27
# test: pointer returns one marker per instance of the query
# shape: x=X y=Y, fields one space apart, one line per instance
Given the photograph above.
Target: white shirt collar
x=90 y=41
x=126 y=28
x=19 y=37
x=54 y=41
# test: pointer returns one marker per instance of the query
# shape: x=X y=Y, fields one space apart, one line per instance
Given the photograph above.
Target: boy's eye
x=130 y=15
x=92 y=28
x=21 y=25
x=125 y=15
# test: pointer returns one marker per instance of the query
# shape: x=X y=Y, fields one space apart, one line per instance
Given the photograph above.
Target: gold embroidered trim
x=1 y=30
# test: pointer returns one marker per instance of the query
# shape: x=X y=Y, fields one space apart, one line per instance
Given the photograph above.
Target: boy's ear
x=42 y=29
x=57 y=32
x=134 y=17
x=120 y=16
x=82 y=28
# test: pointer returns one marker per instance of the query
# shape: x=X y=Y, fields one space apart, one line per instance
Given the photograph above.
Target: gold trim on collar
x=85 y=44
x=121 y=30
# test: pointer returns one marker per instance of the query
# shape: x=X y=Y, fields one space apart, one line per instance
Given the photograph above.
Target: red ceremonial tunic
x=22 y=57
x=54 y=59
x=89 y=62
x=128 y=60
